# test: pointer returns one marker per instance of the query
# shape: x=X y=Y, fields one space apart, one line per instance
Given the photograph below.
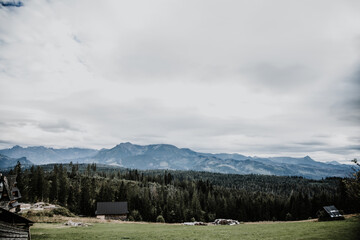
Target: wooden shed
x=14 y=226
x=333 y=213
x=112 y=210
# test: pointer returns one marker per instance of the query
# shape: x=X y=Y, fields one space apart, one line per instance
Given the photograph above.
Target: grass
x=348 y=229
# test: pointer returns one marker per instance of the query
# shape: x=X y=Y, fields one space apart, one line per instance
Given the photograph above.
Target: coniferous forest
x=178 y=196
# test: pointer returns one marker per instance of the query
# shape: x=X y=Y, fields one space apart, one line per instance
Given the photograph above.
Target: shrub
x=136 y=215
x=322 y=215
x=211 y=217
x=62 y=211
x=288 y=217
x=45 y=213
x=160 y=219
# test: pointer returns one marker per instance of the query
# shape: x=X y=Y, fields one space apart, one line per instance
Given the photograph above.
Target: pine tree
x=22 y=183
x=54 y=185
x=85 y=198
x=42 y=186
x=121 y=194
x=33 y=193
x=63 y=185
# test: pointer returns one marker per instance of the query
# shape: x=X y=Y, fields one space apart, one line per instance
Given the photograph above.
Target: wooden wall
x=9 y=231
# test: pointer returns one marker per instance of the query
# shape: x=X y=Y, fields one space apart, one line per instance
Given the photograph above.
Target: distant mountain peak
x=162 y=145
x=334 y=163
x=167 y=156
x=126 y=145
x=7 y=162
x=43 y=155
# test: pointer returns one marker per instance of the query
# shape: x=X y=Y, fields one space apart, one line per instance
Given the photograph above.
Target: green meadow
x=348 y=229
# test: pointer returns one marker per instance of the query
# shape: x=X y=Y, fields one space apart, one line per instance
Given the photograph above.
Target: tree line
x=178 y=196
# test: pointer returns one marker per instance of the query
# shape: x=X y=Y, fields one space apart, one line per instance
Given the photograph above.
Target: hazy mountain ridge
x=165 y=156
x=43 y=155
x=7 y=162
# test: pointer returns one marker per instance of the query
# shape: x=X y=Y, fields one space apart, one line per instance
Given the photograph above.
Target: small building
x=13 y=226
x=332 y=213
x=9 y=193
x=112 y=210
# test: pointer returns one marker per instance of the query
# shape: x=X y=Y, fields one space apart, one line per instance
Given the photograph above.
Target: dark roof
x=13 y=218
x=332 y=211
x=107 y=208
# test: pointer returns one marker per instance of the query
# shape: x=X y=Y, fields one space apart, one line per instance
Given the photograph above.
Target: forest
x=178 y=196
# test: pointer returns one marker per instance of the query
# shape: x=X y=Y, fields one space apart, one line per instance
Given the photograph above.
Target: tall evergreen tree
x=63 y=185
x=54 y=185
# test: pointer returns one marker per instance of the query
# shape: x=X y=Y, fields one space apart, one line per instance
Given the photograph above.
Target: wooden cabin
x=332 y=213
x=112 y=210
x=13 y=226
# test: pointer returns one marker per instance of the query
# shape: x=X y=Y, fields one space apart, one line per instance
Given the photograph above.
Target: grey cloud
x=255 y=77
x=144 y=117
x=347 y=106
x=61 y=125
x=354 y=147
x=350 y=117
x=312 y=143
x=347 y=150
x=354 y=139
x=278 y=78
x=4 y=124
x=15 y=121
x=149 y=121
x=5 y=141
x=283 y=148
x=271 y=148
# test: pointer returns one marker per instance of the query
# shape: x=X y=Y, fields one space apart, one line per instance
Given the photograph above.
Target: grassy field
x=348 y=229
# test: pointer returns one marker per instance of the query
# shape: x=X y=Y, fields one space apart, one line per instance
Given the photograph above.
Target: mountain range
x=165 y=156
x=42 y=155
x=7 y=162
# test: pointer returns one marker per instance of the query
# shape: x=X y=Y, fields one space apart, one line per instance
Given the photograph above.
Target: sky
x=260 y=78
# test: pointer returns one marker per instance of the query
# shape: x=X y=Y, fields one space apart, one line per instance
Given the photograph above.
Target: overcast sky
x=264 y=78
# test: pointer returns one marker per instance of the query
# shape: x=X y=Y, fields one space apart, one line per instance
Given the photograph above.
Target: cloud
x=278 y=79
x=238 y=76
x=312 y=143
x=347 y=105
x=61 y=125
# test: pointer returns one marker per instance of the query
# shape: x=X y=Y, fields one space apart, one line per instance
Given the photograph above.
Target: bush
x=27 y=214
x=322 y=215
x=211 y=217
x=288 y=217
x=62 y=211
x=160 y=219
x=136 y=215
x=50 y=213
